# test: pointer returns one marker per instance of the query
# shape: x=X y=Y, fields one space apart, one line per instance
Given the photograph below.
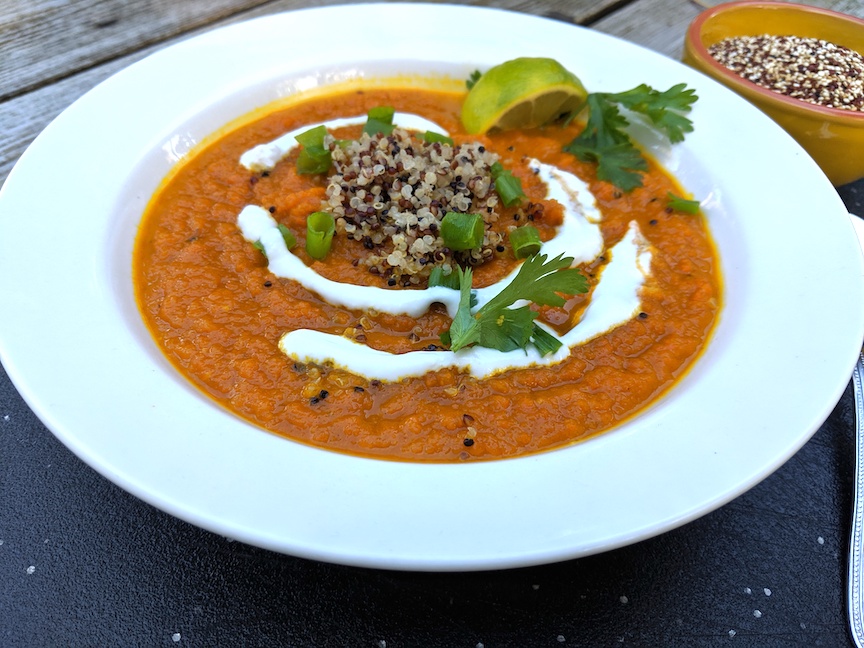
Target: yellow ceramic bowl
x=834 y=138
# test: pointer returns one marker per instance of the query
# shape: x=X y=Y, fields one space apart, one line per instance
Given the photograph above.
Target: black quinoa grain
x=468 y=442
x=267 y=284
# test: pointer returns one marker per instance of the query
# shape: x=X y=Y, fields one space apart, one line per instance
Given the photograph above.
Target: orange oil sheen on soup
x=218 y=313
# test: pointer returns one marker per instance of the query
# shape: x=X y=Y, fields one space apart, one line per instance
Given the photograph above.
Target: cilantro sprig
x=605 y=140
x=498 y=326
x=473 y=78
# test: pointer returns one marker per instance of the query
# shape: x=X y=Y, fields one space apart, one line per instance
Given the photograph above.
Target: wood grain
x=660 y=24
x=44 y=41
x=25 y=115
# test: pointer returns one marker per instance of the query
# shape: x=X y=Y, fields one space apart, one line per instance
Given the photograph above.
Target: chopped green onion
x=314 y=158
x=320 y=227
x=289 y=238
x=682 y=204
x=525 y=241
x=439 y=278
x=473 y=78
x=260 y=247
x=462 y=231
x=508 y=186
x=379 y=120
x=545 y=342
x=431 y=137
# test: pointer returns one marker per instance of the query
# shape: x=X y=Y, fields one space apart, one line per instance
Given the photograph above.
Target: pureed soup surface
x=218 y=313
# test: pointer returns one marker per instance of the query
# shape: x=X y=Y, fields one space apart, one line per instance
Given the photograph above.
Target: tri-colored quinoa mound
x=391 y=192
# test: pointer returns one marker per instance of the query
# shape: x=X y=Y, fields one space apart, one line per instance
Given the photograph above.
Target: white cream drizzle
x=615 y=300
x=577 y=237
x=265 y=156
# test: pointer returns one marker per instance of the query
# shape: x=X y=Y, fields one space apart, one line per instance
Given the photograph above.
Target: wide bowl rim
x=693 y=41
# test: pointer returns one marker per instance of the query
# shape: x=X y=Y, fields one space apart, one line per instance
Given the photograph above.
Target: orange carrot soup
x=391 y=286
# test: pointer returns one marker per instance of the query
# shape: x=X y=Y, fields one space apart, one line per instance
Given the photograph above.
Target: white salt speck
x=624 y=600
x=31 y=569
x=747 y=590
x=5 y=417
x=803 y=626
x=382 y=644
x=1 y=542
x=757 y=614
x=535 y=587
x=732 y=633
x=767 y=592
x=561 y=639
x=479 y=645
x=175 y=637
x=820 y=540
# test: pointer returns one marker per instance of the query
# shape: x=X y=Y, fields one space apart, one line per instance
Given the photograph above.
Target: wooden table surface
x=83 y=563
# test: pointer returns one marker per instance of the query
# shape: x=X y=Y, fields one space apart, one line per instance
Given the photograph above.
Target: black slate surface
x=83 y=563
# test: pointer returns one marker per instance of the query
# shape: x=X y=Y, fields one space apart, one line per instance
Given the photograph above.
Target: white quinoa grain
x=175 y=637
x=31 y=569
x=757 y=614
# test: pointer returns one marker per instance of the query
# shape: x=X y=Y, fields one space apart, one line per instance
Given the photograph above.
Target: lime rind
x=521 y=93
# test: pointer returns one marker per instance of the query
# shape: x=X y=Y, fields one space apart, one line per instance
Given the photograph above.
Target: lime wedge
x=522 y=93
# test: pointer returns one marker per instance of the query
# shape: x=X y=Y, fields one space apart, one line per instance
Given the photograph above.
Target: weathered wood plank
x=43 y=41
x=660 y=25
x=24 y=116
x=46 y=40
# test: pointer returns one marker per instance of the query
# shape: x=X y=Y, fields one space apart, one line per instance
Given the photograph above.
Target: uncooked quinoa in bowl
x=803 y=66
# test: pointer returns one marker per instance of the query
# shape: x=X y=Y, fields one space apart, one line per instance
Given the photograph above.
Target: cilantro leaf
x=621 y=164
x=496 y=325
x=509 y=330
x=465 y=329
x=662 y=108
x=473 y=78
x=605 y=141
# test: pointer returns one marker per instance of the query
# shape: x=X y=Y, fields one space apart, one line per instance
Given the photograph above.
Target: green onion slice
x=379 y=120
x=314 y=158
x=508 y=186
x=431 y=137
x=320 y=227
x=289 y=238
x=525 y=241
x=682 y=204
x=545 y=342
x=462 y=231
